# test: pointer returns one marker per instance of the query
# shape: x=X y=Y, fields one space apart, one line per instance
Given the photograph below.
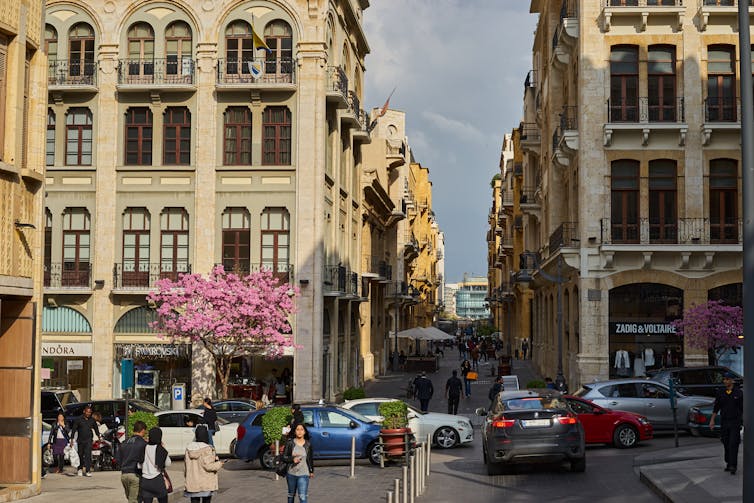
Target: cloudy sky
x=459 y=68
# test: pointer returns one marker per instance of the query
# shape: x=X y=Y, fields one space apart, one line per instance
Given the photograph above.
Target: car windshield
x=66 y=397
x=356 y=415
x=537 y=403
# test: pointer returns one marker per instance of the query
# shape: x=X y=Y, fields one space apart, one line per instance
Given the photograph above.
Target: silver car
x=234 y=410
x=642 y=396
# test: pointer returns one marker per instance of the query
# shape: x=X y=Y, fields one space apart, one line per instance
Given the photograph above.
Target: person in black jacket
x=210 y=419
x=299 y=457
x=729 y=403
x=152 y=483
x=496 y=388
x=58 y=440
x=130 y=455
x=83 y=430
x=424 y=390
x=453 y=389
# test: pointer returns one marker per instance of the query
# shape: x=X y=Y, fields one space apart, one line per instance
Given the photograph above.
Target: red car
x=607 y=426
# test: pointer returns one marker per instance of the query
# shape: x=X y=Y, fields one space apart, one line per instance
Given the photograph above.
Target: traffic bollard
x=413 y=478
x=390 y=497
x=397 y=490
x=277 y=453
x=405 y=484
x=382 y=454
x=429 y=453
x=420 y=471
x=353 y=458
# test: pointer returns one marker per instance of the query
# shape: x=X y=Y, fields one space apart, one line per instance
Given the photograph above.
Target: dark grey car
x=531 y=426
x=648 y=398
x=701 y=381
x=234 y=411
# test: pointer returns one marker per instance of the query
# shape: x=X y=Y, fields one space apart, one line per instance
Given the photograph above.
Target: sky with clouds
x=459 y=68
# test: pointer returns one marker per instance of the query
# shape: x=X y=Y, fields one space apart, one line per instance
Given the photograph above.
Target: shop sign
x=153 y=351
x=66 y=349
x=630 y=328
x=75 y=365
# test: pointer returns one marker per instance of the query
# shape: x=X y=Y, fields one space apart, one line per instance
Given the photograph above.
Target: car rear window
x=583 y=391
x=536 y=403
x=693 y=377
x=66 y=397
x=623 y=390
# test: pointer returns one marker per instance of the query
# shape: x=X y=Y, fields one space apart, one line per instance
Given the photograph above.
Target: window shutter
x=3 y=94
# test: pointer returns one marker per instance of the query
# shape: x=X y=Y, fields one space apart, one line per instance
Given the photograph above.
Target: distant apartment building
x=471 y=298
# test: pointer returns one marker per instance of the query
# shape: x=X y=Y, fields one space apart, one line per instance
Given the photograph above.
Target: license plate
x=535 y=423
x=96 y=453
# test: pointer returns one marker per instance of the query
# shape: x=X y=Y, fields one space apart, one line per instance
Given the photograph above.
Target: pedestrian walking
x=299 y=457
x=130 y=454
x=424 y=391
x=59 y=438
x=525 y=348
x=548 y=383
x=210 y=419
x=453 y=389
x=200 y=468
x=82 y=432
x=496 y=388
x=475 y=358
x=483 y=350
x=152 y=483
x=729 y=404
x=461 y=350
x=465 y=369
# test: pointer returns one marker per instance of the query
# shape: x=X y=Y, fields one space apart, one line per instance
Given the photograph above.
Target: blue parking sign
x=177 y=393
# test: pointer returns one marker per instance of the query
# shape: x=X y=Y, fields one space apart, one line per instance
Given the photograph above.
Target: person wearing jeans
x=298 y=455
x=130 y=454
x=465 y=369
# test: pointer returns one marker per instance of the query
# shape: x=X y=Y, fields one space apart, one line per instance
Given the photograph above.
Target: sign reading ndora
x=629 y=328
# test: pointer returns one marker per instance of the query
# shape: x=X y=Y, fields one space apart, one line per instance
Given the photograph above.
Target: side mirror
x=481 y=411
x=353 y=425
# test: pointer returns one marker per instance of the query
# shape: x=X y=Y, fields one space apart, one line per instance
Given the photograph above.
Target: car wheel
x=625 y=436
x=578 y=465
x=233 y=448
x=446 y=437
x=374 y=453
x=267 y=458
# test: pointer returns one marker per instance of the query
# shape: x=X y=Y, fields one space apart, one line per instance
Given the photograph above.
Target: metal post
x=429 y=452
x=390 y=497
x=353 y=458
x=405 y=484
x=397 y=313
x=277 y=453
x=747 y=170
x=420 y=471
x=397 y=490
x=560 y=382
x=413 y=478
x=382 y=453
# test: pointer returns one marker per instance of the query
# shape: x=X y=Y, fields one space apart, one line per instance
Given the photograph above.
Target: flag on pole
x=257 y=41
x=382 y=112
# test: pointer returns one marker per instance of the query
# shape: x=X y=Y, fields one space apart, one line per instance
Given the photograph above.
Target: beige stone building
x=175 y=143
x=22 y=104
x=630 y=146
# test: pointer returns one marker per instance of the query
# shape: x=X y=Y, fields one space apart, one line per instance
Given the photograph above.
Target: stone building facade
x=22 y=103
x=630 y=145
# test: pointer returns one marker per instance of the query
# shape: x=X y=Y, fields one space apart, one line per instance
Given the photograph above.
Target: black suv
x=110 y=409
x=704 y=381
x=54 y=401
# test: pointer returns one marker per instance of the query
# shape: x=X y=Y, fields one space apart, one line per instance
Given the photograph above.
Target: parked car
x=54 y=401
x=606 y=426
x=234 y=410
x=113 y=411
x=178 y=431
x=702 y=381
x=531 y=426
x=698 y=420
x=331 y=429
x=445 y=430
x=648 y=398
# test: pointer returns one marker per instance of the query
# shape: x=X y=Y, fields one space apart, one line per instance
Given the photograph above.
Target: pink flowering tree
x=230 y=315
x=713 y=326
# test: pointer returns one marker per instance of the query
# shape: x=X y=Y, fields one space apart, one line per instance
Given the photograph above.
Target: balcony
x=530 y=137
x=719 y=12
x=350 y=115
x=565 y=138
x=568 y=32
x=362 y=133
x=646 y=115
x=281 y=271
x=334 y=280
x=721 y=113
x=150 y=74
x=140 y=277
x=566 y=235
x=70 y=277
x=529 y=199
x=375 y=269
x=639 y=13
x=507 y=199
x=684 y=231
x=337 y=87
x=64 y=75
x=395 y=153
x=259 y=73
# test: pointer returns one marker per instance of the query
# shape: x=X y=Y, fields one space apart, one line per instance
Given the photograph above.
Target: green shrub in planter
x=395 y=414
x=535 y=384
x=149 y=419
x=273 y=423
x=354 y=394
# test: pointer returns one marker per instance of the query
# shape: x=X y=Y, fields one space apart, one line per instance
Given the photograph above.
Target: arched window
x=177 y=136
x=275 y=228
x=624 y=83
x=279 y=38
x=624 y=201
x=50 y=139
x=78 y=137
x=138 y=136
x=51 y=43
x=174 y=243
x=81 y=53
x=661 y=83
x=276 y=141
x=135 y=267
x=663 y=205
x=140 y=53
x=178 y=50
x=236 y=240
x=76 y=257
x=237 y=136
x=239 y=48
x=721 y=84
x=47 y=247
x=723 y=201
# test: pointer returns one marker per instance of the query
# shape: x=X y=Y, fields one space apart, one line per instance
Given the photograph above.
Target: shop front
x=156 y=368
x=66 y=351
x=255 y=377
x=641 y=335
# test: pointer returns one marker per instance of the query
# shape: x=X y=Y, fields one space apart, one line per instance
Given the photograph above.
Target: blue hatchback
x=331 y=429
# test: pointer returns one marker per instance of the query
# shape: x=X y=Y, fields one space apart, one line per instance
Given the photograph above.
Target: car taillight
x=503 y=423
x=567 y=420
x=698 y=417
x=240 y=432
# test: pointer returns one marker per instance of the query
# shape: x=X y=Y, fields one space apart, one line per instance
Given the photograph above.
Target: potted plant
x=395 y=429
x=273 y=422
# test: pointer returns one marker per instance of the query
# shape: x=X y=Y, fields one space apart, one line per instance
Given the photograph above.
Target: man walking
x=525 y=348
x=210 y=419
x=130 y=454
x=729 y=403
x=453 y=392
x=83 y=431
x=424 y=391
x=496 y=388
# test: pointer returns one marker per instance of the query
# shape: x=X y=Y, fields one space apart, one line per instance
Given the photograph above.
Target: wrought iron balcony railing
x=680 y=231
x=164 y=71
x=256 y=71
x=144 y=275
x=643 y=3
x=528 y=196
x=337 y=81
x=565 y=235
x=722 y=3
x=529 y=132
x=63 y=72
x=722 y=109
x=64 y=275
x=334 y=279
x=280 y=270
x=645 y=110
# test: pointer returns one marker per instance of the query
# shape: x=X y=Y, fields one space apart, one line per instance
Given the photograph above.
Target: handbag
x=168 y=482
x=472 y=376
x=73 y=457
x=47 y=456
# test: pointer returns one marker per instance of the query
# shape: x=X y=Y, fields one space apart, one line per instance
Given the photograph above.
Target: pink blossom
x=712 y=325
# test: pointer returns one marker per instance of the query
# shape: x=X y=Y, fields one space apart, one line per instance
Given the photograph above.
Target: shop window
x=236 y=240
x=275 y=227
x=723 y=201
x=663 y=211
x=78 y=137
x=624 y=83
x=624 y=211
x=174 y=236
x=138 y=136
x=276 y=141
x=177 y=136
x=135 y=266
x=81 y=52
x=721 y=84
x=76 y=242
x=237 y=136
x=279 y=38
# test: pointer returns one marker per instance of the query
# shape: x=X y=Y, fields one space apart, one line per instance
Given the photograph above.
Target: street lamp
x=529 y=266
x=400 y=294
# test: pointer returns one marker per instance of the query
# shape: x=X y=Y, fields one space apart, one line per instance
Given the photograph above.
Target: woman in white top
x=152 y=482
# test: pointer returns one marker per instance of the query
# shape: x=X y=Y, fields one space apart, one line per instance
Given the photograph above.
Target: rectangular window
x=723 y=201
x=275 y=241
x=237 y=136
x=624 y=84
x=663 y=211
x=48 y=247
x=721 y=84
x=78 y=139
x=236 y=240
x=624 y=204
x=661 y=84
x=135 y=267
x=174 y=236
x=76 y=246
x=138 y=136
x=177 y=140
x=276 y=141
x=50 y=139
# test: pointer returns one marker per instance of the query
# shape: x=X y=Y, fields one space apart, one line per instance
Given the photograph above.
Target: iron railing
x=144 y=275
x=529 y=132
x=165 y=71
x=528 y=196
x=62 y=72
x=679 y=231
x=334 y=279
x=643 y=3
x=722 y=109
x=565 y=235
x=337 y=81
x=569 y=8
x=722 y=3
x=256 y=71
x=280 y=270
x=645 y=110
x=68 y=275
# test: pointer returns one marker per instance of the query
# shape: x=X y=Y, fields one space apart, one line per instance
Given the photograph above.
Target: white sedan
x=446 y=430
x=178 y=431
